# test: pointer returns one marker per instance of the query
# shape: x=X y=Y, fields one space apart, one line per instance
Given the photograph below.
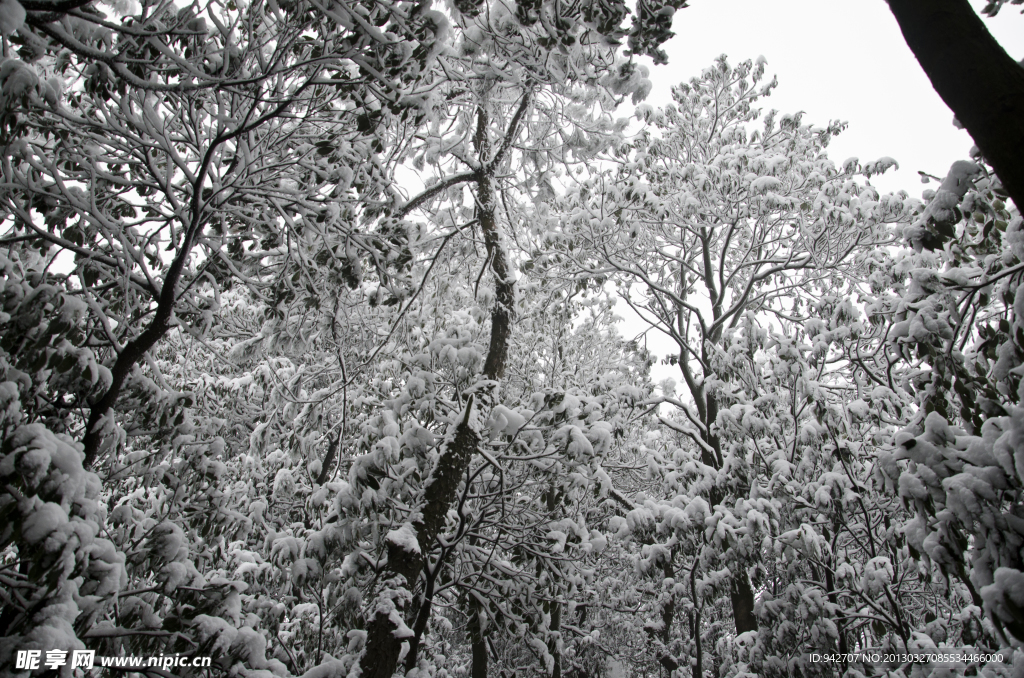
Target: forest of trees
x=310 y=361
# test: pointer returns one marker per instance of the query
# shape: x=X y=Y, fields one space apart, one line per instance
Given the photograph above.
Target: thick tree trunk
x=476 y=627
x=478 y=643
x=422 y=618
x=135 y=349
x=741 y=594
x=132 y=353
x=976 y=78
x=743 y=603
x=380 y=658
x=668 y=615
x=833 y=597
x=667 y=618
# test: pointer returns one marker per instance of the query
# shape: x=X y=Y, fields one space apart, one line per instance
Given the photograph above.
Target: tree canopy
x=311 y=357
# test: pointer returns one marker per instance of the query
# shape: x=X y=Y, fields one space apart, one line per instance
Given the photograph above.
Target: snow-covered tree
x=182 y=158
x=162 y=152
x=152 y=159
x=747 y=248
x=527 y=90
x=956 y=323
x=308 y=356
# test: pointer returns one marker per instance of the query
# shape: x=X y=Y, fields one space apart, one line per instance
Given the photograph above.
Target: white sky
x=835 y=60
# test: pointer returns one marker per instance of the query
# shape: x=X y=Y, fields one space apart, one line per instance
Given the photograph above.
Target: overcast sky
x=835 y=60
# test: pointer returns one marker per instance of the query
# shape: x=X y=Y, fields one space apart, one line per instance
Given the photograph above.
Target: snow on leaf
x=405 y=538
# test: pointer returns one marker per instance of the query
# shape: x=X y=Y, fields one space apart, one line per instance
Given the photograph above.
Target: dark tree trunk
x=382 y=648
x=976 y=78
x=325 y=469
x=380 y=658
x=135 y=349
x=833 y=597
x=132 y=353
x=743 y=603
x=741 y=594
x=478 y=643
x=553 y=649
x=668 y=615
x=422 y=618
x=698 y=667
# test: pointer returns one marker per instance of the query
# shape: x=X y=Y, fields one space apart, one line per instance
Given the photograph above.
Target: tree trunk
x=554 y=644
x=743 y=603
x=698 y=667
x=976 y=78
x=668 y=615
x=380 y=658
x=135 y=349
x=422 y=617
x=833 y=597
x=122 y=368
x=477 y=641
x=741 y=595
